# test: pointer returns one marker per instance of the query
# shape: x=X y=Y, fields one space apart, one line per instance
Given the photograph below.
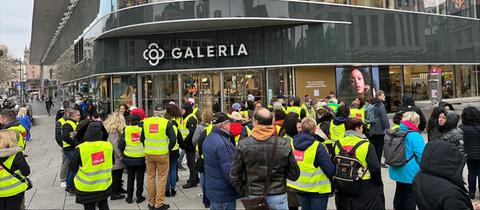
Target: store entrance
x=239 y=84
x=204 y=87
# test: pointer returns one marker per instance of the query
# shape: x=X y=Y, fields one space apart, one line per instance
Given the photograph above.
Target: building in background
x=33 y=72
x=145 y=52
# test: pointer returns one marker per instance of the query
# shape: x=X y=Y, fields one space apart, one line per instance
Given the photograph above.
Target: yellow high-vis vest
x=295 y=109
x=175 y=130
x=74 y=126
x=183 y=124
x=133 y=145
x=357 y=113
x=309 y=112
x=95 y=173
x=361 y=153
x=9 y=185
x=337 y=131
x=156 y=139
x=312 y=179
x=23 y=135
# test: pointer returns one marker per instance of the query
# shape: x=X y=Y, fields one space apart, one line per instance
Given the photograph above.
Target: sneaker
x=189 y=185
x=116 y=197
x=140 y=199
x=163 y=207
x=129 y=200
x=63 y=184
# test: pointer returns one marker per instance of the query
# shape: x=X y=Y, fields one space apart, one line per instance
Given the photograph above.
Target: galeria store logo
x=153 y=54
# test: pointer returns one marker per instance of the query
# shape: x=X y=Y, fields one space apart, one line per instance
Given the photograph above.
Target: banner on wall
x=356 y=81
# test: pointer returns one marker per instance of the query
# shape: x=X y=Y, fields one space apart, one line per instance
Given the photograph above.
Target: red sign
x=135 y=137
x=299 y=155
x=358 y=116
x=153 y=128
x=435 y=70
x=98 y=158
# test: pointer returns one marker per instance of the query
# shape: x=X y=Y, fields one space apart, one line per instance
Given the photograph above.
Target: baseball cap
x=220 y=117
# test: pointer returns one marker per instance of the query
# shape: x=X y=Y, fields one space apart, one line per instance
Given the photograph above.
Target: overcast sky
x=16 y=25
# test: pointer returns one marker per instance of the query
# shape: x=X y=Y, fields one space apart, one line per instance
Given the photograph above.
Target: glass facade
x=159 y=89
x=391 y=83
x=279 y=82
x=241 y=83
x=204 y=87
x=416 y=81
x=124 y=90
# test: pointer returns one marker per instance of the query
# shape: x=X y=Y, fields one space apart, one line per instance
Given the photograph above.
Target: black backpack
x=347 y=170
x=394 y=148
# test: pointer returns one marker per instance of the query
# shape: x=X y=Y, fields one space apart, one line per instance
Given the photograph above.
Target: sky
x=16 y=25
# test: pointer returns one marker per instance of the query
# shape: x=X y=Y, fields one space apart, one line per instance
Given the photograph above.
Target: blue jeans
x=70 y=174
x=229 y=205
x=205 y=199
x=310 y=201
x=172 y=175
x=275 y=202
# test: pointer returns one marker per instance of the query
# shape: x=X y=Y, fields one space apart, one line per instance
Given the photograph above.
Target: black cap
x=159 y=107
x=220 y=117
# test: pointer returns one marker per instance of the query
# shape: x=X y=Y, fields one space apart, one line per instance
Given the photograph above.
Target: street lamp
x=21 y=94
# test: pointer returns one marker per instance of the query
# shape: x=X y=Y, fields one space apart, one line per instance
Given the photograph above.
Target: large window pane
x=416 y=81
x=159 y=89
x=204 y=87
x=124 y=90
x=462 y=8
x=279 y=82
x=390 y=83
x=448 y=83
x=103 y=95
x=435 y=6
x=239 y=84
x=465 y=81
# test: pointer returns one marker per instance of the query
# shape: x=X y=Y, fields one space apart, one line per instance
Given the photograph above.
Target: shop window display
x=124 y=91
x=465 y=81
x=390 y=80
x=103 y=95
x=416 y=81
x=239 y=84
x=129 y=3
x=448 y=83
x=204 y=87
x=279 y=82
x=159 y=89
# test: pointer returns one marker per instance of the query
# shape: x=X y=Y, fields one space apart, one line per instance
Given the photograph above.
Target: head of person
x=381 y=95
x=397 y=118
x=291 y=124
x=408 y=99
x=257 y=105
x=357 y=81
x=308 y=100
x=237 y=117
x=355 y=104
x=277 y=106
x=139 y=112
x=78 y=97
x=187 y=108
x=447 y=120
x=95 y=131
x=309 y=125
x=222 y=121
x=207 y=116
x=250 y=97
x=236 y=107
x=22 y=111
x=361 y=101
x=66 y=104
x=279 y=115
x=262 y=117
x=159 y=110
x=134 y=119
x=172 y=111
x=115 y=122
x=446 y=106
x=7 y=116
x=295 y=101
x=471 y=116
x=333 y=100
x=332 y=94
x=8 y=139
x=411 y=117
x=343 y=111
x=354 y=124
x=123 y=108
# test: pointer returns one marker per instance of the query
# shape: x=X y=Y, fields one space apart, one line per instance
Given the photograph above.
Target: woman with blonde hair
x=24 y=119
x=12 y=190
x=115 y=124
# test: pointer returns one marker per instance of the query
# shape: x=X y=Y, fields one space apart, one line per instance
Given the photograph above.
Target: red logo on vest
x=135 y=137
x=153 y=128
x=98 y=158
x=299 y=155
x=358 y=116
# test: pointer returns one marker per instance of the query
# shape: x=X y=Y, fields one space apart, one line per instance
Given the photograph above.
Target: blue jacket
x=25 y=122
x=414 y=144
x=218 y=153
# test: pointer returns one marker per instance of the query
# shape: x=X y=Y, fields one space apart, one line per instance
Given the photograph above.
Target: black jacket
x=450 y=132
x=381 y=119
x=439 y=185
x=409 y=105
x=191 y=125
x=19 y=162
x=58 y=133
x=471 y=134
x=249 y=166
x=66 y=130
x=60 y=114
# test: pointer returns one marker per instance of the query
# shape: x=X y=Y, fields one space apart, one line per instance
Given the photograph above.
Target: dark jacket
x=58 y=133
x=471 y=134
x=409 y=105
x=439 y=185
x=19 y=162
x=450 y=132
x=59 y=114
x=244 y=133
x=250 y=166
x=191 y=125
x=218 y=152
x=66 y=130
x=381 y=119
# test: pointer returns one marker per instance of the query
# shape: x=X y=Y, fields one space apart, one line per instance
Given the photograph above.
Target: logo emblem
x=153 y=54
x=98 y=158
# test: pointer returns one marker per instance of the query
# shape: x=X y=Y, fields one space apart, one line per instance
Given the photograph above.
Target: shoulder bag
x=22 y=179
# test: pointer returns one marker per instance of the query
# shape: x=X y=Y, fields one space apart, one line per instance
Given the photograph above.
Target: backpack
x=346 y=178
x=370 y=113
x=394 y=148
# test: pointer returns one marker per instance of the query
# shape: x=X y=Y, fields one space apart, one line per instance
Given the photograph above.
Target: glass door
x=239 y=84
x=204 y=87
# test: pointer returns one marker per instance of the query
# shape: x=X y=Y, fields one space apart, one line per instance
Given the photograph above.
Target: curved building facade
x=219 y=51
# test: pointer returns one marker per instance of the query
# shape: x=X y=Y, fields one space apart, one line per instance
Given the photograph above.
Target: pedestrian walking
x=158 y=137
x=14 y=170
x=133 y=157
x=115 y=125
x=24 y=120
x=218 y=151
x=381 y=123
x=448 y=131
x=172 y=112
x=92 y=161
x=59 y=139
x=439 y=184
x=68 y=131
x=471 y=132
x=263 y=163
x=187 y=128
x=8 y=120
x=203 y=130
x=409 y=105
x=432 y=124
x=49 y=104
x=316 y=168
x=403 y=175
x=369 y=187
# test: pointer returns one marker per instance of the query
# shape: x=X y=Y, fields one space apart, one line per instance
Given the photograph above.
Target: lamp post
x=19 y=61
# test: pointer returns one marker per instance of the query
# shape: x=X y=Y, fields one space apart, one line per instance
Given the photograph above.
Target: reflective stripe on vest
x=23 y=134
x=95 y=173
x=349 y=142
x=156 y=140
x=311 y=179
x=337 y=131
x=9 y=185
x=74 y=126
x=309 y=112
x=294 y=109
x=357 y=113
x=133 y=145
x=183 y=125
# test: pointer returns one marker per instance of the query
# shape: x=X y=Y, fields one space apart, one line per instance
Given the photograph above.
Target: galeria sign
x=154 y=54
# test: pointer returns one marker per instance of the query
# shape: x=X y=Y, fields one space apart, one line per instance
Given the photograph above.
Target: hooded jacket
x=381 y=124
x=450 y=132
x=409 y=105
x=471 y=140
x=439 y=185
x=303 y=141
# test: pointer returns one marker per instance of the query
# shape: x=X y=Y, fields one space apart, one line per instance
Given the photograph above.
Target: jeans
x=378 y=141
x=64 y=168
x=229 y=205
x=473 y=174
x=275 y=202
x=310 y=201
x=102 y=205
x=172 y=175
x=205 y=199
x=404 y=198
x=70 y=174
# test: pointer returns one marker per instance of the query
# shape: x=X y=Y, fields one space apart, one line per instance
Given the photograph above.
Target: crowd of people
x=290 y=154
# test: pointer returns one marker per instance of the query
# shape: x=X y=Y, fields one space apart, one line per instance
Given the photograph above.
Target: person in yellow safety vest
x=69 y=130
x=187 y=128
x=337 y=126
x=93 y=161
x=333 y=104
x=295 y=107
x=133 y=157
x=12 y=189
x=309 y=108
x=158 y=137
x=356 y=111
x=58 y=138
x=203 y=130
x=396 y=120
x=173 y=112
x=8 y=120
x=370 y=195
x=316 y=168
